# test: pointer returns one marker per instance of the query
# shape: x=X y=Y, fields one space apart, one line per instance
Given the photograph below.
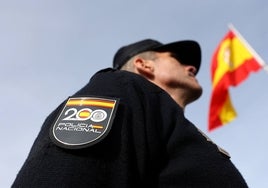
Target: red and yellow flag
x=232 y=63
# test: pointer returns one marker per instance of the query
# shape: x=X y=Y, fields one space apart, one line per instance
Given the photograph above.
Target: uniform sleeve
x=127 y=157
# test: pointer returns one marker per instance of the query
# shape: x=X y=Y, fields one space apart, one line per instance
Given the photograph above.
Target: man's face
x=171 y=74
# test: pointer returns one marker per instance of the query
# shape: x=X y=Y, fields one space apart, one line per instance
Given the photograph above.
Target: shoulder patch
x=83 y=121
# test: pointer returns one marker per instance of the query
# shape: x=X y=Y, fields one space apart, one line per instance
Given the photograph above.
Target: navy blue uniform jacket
x=151 y=144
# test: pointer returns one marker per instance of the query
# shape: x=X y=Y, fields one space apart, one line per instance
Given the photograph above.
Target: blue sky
x=50 y=48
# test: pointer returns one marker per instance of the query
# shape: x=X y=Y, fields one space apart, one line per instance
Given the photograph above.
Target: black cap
x=187 y=52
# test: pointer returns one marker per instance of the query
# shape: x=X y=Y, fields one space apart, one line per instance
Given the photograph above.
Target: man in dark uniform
x=126 y=128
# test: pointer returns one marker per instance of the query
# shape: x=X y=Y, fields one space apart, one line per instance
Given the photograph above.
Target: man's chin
x=195 y=94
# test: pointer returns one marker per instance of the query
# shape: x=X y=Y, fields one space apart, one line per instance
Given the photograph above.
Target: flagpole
x=256 y=55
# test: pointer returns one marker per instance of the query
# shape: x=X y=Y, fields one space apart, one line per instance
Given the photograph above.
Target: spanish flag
x=232 y=62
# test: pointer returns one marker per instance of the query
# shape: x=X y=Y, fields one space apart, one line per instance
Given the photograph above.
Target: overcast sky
x=49 y=49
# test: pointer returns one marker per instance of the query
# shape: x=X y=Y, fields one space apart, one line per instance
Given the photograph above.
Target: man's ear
x=144 y=67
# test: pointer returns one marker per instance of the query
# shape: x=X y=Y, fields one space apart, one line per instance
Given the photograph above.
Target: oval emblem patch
x=84 y=121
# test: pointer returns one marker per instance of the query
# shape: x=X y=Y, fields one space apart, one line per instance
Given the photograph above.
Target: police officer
x=126 y=128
